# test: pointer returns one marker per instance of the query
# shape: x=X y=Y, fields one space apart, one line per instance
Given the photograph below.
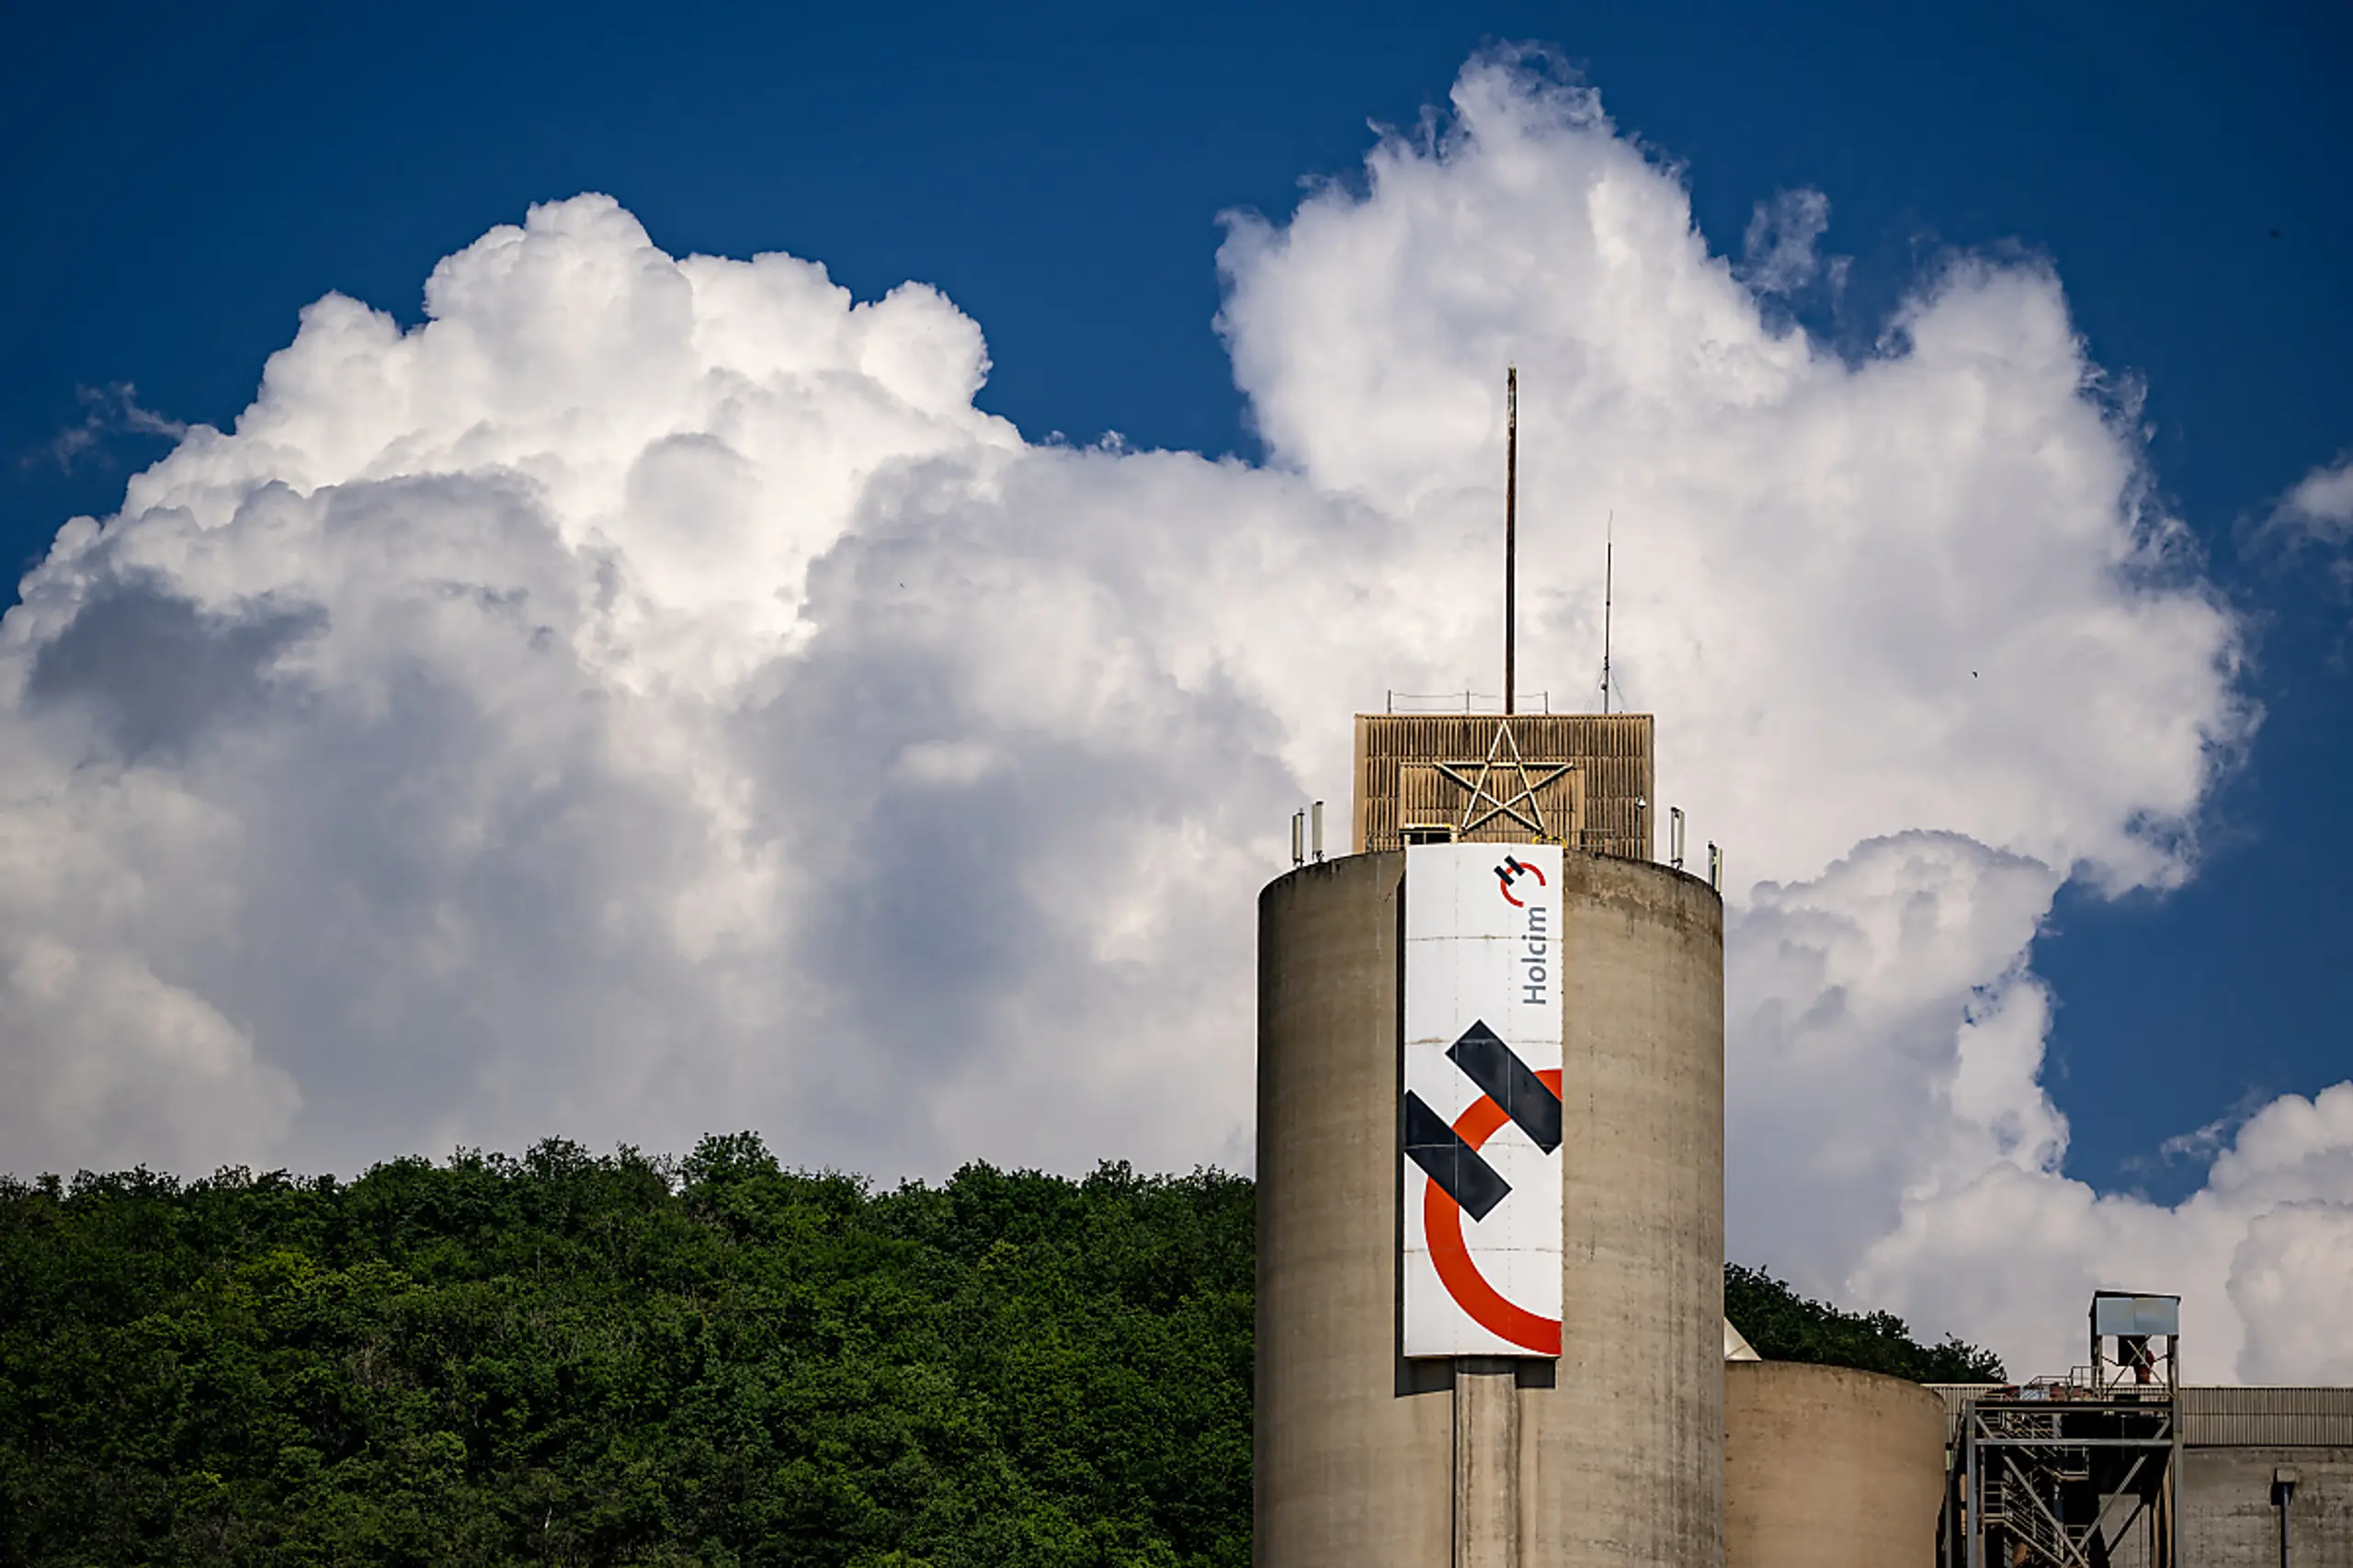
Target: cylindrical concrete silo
x=1614 y=1454
x=1829 y=1468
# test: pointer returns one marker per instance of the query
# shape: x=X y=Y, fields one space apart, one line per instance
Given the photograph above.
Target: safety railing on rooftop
x=1466 y=702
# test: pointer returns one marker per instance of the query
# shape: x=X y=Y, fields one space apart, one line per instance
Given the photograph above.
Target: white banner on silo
x=1482 y=1100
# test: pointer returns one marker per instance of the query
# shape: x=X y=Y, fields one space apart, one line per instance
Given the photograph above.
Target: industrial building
x=1490 y=1159
x=1491 y=1229
x=2119 y=1464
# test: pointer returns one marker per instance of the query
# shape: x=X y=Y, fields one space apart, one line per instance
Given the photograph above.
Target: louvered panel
x=1593 y=804
x=1429 y=796
x=2267 y=1417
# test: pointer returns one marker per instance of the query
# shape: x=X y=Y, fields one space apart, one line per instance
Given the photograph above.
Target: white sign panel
x=1482 y=1111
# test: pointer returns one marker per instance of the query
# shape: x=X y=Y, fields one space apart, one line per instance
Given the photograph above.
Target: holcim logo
x=1535 y=960
x=1510 y=872
x=1536 y=955
x=1482 y=1232
x=1462 y=1180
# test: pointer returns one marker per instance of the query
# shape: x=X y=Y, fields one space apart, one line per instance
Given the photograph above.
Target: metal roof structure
x=1583 y=780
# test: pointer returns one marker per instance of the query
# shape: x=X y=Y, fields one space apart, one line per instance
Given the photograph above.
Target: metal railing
x=1466 y=702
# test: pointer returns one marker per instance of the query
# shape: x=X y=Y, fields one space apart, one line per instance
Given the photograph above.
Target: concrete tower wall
x=1350 y=1471
x=1612 y=1458
x=1829 y=1468
x=1629 y=1443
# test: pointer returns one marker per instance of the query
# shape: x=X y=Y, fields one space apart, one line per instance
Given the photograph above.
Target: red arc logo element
x=1443 y=1222
x=1512 y=868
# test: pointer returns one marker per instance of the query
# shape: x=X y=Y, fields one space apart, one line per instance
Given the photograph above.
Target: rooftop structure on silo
x=1438 y=770
x=1580 y=780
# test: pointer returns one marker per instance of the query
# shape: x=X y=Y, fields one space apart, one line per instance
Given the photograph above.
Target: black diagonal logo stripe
x=1460 y=1171
x=1487 y=1062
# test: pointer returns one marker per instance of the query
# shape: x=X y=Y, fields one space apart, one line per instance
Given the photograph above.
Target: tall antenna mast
x=1608 y=565
x=1511 y=525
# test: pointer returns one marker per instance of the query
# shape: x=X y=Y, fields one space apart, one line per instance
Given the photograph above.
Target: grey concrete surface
x=1352 y=1471
x=1628 y=1446
x=1488 y=1501
x=1829 y=1468
x=2230 y=1518
x=1616 y=1455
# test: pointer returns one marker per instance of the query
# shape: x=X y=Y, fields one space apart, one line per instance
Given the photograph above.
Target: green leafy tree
x=1786 y=1326
x=569 y=1357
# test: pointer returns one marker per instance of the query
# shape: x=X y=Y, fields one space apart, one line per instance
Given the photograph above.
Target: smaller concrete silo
x=1829 y=1468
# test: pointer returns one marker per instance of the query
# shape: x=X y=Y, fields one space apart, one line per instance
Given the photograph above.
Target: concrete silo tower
x=1490 y=1158
x=1490 y=1166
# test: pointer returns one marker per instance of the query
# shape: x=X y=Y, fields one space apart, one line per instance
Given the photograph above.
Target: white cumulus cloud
x=2320 y=505
x=2317 y=513
x=650 y=696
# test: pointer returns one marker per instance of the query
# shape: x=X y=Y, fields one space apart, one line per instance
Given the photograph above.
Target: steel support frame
x=2049 y=1475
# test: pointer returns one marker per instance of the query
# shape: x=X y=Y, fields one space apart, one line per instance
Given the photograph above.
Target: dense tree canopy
x=571 y=1359
x=1786 y=1326
x=577 y=1358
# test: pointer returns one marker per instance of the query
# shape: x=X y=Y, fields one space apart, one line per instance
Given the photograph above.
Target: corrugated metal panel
x=1593 y=808
x=2217 y=1417
x=2267 y=1417
x=1955 y=1396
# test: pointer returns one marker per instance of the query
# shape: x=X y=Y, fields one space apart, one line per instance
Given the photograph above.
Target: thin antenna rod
x=1511 y=527
x=1609 y=568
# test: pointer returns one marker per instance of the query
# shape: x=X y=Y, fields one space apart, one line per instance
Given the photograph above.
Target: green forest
x=580 y=1358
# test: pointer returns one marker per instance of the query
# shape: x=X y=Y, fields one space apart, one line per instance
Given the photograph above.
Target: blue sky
x=185 y=181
